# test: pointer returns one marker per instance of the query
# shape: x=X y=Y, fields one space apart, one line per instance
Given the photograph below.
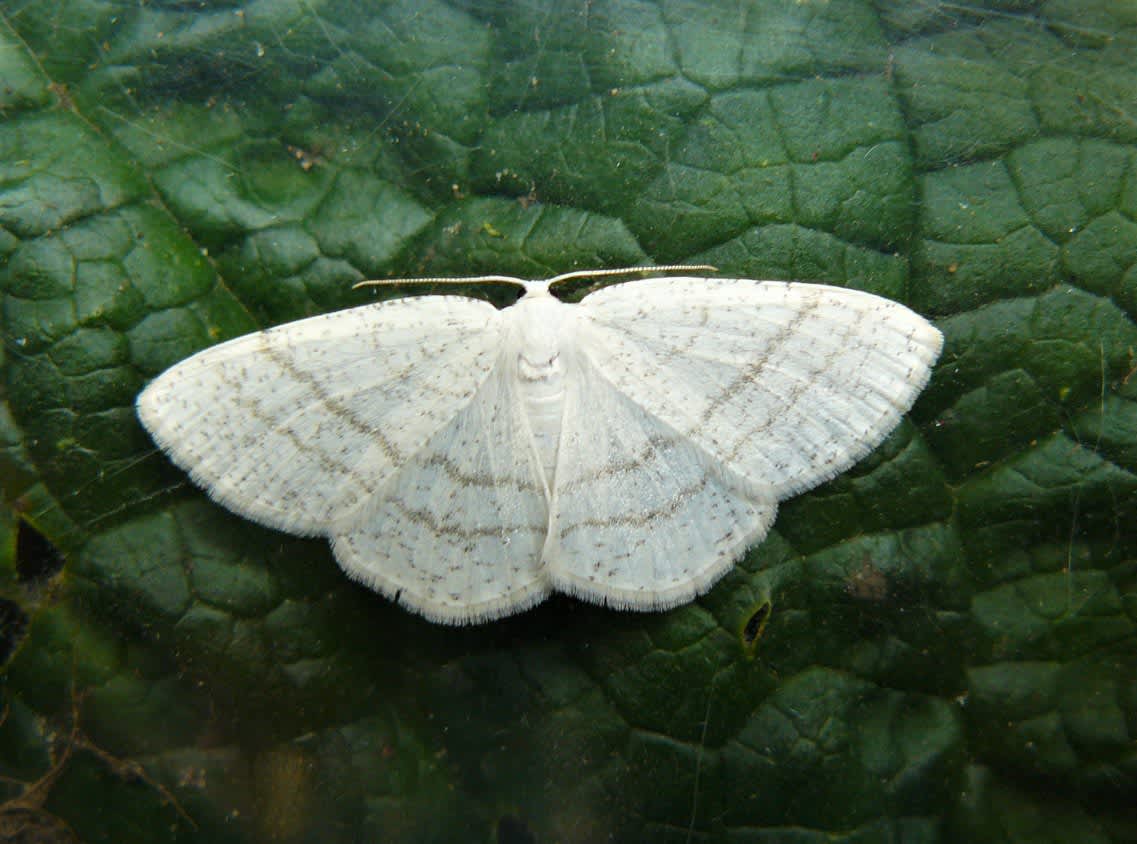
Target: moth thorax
x=541 y=323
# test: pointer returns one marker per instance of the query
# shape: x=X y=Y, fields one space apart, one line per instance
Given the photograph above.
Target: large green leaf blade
x=930 y=647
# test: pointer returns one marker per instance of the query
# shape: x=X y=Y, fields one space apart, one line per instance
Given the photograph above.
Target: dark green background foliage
x=937 y=646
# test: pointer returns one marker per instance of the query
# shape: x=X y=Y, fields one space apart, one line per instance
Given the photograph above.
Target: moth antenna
x=665 y=268
x=466 y=279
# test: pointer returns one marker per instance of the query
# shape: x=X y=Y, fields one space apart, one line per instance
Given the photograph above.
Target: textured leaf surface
x=937 y=646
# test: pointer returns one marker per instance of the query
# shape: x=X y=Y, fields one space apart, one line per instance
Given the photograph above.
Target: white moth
x=467 y=461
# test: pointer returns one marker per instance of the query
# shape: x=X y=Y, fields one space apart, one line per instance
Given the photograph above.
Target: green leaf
x=937 y=646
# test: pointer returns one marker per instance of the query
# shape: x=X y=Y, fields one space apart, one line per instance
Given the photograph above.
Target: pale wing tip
x=151 y=407
x=929 y=341
x=146 y=406
x=931 y=338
